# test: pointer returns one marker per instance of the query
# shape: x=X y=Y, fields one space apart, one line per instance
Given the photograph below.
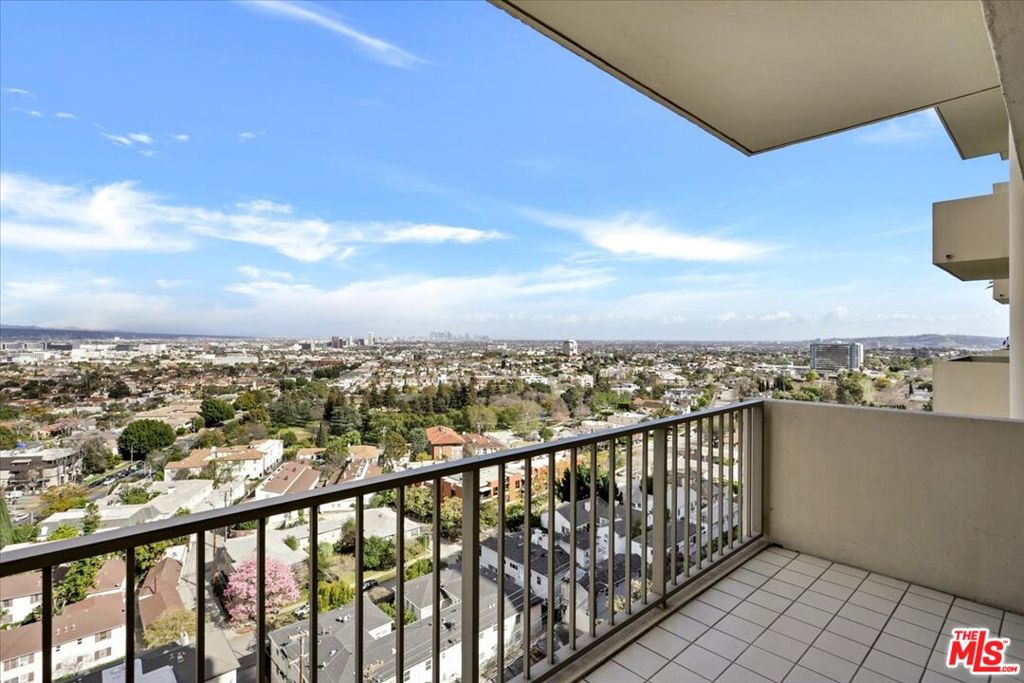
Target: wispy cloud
x=182 y=137
x=19 y=91
x=264 y=206
x=375 y=48
x=432 y=234
x=119 y=216
x=169 y=283
x=254 y=273
x=246 y=136
x=643 y=235
x=65 y=115
x=908 y=128
x=141 y=138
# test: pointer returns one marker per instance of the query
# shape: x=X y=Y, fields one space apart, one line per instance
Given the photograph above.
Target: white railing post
x=756 y=497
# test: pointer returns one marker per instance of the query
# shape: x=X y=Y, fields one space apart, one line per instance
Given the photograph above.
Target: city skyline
x=296 y=170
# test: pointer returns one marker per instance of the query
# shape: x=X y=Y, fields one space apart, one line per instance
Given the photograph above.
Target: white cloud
x=642 y=235
x=778 y=316
x=182 y=137
x=246 y=136
x=19 y=91
x=122 y=140
x=151 y=153
x=65 y=115
x=840 y=312
x=726 y=317
x=169 y=283
x=375 y=48
x=142 y=138
x=916 y=126
x=119 y=216
x=115 y=217
x=254 y=273
x=264 y=206
x=34 y=113
x=432 y=234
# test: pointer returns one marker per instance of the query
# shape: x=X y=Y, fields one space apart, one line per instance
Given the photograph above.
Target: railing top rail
x=52 y=553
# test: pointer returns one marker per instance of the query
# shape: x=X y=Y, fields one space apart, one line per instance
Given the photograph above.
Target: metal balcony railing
x=714 y=455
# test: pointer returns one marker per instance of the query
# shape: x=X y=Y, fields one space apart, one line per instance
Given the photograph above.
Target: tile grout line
x=825 y=627
x=952 y=601
x=881 y=631
x=696 y=599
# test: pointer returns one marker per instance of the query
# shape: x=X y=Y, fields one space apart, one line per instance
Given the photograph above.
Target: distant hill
x=33 y=333
x=929 y=341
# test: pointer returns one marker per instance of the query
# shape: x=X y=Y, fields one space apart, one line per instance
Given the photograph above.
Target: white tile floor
x=789 y=618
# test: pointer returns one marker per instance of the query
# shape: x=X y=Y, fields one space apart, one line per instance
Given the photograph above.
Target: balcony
x=853 y=539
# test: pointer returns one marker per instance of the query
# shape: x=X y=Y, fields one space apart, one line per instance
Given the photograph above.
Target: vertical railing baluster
x=732 y=479
x=721 y=483
x=47 y=626
x=572 y=547
x=261 y=599
x=470 y=575
x=435 y=610
x=592 y=588
x=659 y=469
x=674 y=498
x=527 y=579
x=501 y=573
x=644 y=492
x=700 y=493
x=358 y=619
x=742 y=484
x=129 y=615
x=611 y=532
x=201 y=587
x=314 y=593
x=757 y=469
x=400 y=585
x=687 y=517
x=551 y=558
x=628 y=505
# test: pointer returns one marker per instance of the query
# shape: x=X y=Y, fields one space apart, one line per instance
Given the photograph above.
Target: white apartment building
x=86 y=635
x=246 y=462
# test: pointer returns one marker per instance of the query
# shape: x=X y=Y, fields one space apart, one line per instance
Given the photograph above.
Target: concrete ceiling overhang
x=763 y=75
x=977 y=124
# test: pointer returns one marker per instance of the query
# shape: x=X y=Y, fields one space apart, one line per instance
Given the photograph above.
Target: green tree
x=418 y=568
x=288 y=438
x=91 y=521
x=62 y=498
x=63 y=532
x=96 y=457
x=169 y=626
x=8 y=439
x=134 y=495
x=451 y=518
x=347 y=542
x=321 y=436
x=142 y=437
x=6 y=527
x=119 y=390
x=334 y=594
x=378 y=553
x=394 y=450
x=215 y=411
x=77 y=582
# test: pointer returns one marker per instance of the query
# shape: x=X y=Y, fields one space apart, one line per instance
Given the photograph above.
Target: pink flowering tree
x=241 y=591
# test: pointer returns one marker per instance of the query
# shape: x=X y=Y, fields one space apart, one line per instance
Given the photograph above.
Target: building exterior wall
x=932 y=499
x=974 y=385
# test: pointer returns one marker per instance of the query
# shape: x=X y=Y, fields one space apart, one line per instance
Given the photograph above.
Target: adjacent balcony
x=768 y=540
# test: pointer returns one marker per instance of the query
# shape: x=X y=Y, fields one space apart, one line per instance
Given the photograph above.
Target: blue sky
x=334 y=168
